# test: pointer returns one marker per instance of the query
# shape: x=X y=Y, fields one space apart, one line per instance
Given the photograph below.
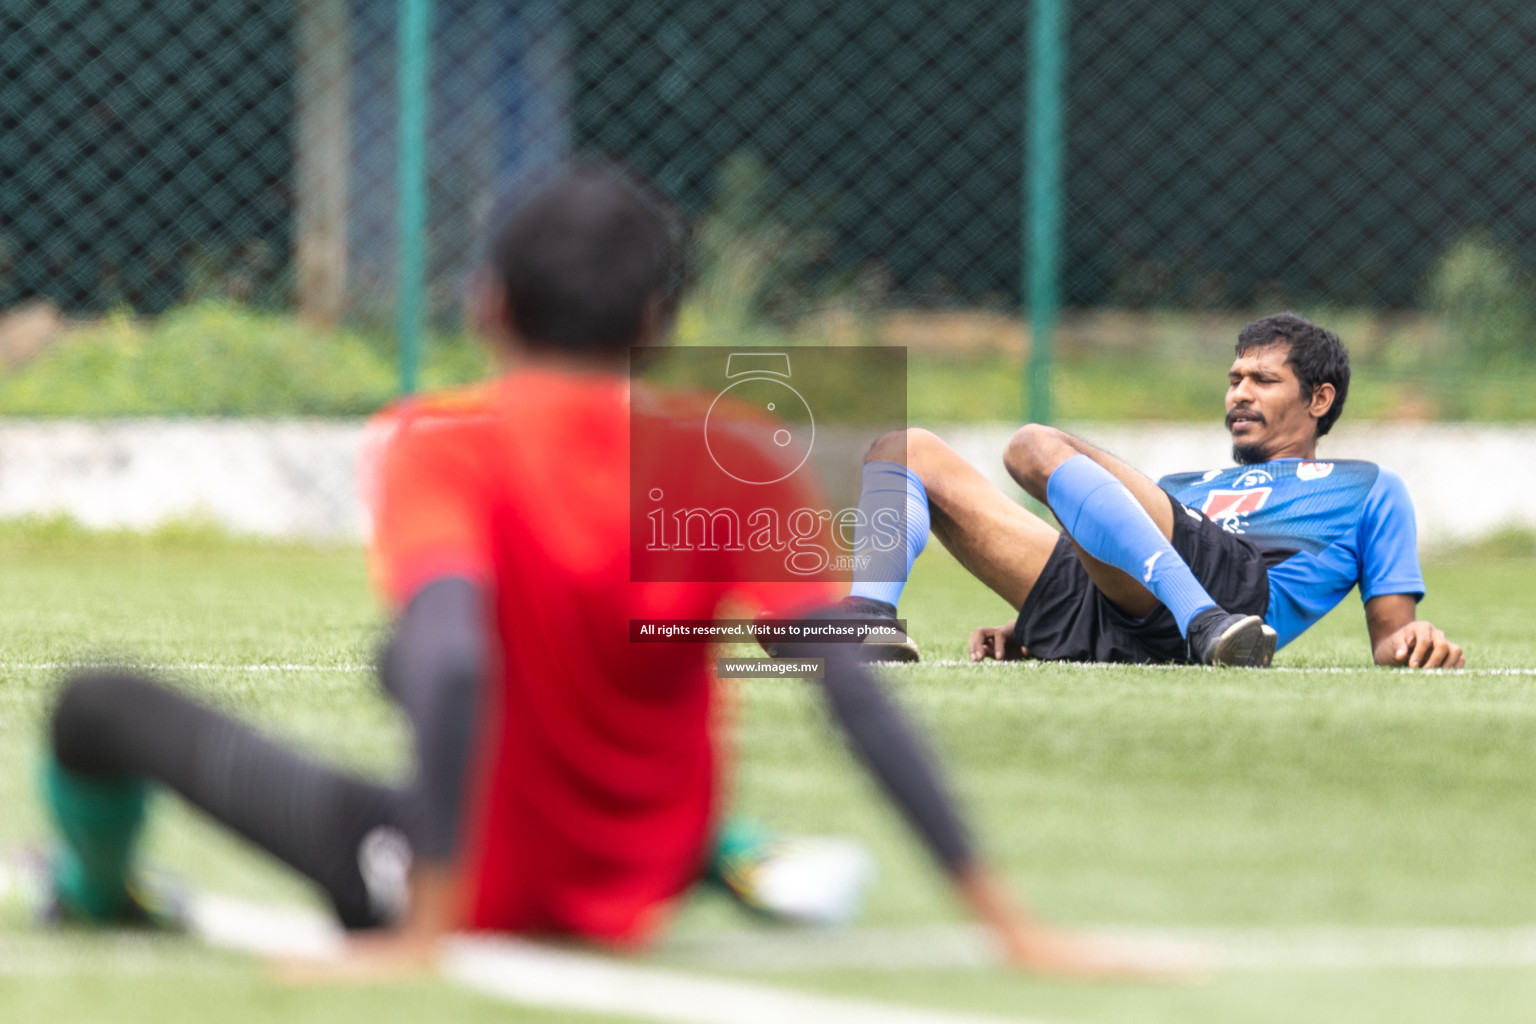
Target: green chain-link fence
x=855 y=171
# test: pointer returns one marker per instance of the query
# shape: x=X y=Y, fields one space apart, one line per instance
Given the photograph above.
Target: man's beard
x=1248 y=454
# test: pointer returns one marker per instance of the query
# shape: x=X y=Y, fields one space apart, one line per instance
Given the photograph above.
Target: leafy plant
x=218 y=358
x=1485 y=299
x=757 y=252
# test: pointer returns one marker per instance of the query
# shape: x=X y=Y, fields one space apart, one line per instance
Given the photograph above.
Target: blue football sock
x=894 y=530
x=1107 y=521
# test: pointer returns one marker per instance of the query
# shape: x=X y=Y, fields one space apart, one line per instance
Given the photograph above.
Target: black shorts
x=1066 y=618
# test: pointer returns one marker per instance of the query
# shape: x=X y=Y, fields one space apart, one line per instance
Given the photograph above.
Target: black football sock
x=115 y=725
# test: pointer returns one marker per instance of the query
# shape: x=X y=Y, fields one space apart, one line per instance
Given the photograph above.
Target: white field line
x=43 y=955
x=264 y=929
x=1234 y=949
x=1089 y=666
x=981 y=666
x=532 y=974
x=178 y=666
x=528 y=974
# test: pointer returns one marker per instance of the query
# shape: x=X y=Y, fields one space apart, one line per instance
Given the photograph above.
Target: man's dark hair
x=1317 y=356
x=586 y=258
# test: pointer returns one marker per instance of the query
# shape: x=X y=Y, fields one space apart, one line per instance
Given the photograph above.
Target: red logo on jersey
x=1221 y=505
x=1313 y=470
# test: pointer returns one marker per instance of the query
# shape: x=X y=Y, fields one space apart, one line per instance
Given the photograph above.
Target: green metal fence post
x=1043 y=211
x=414 y=39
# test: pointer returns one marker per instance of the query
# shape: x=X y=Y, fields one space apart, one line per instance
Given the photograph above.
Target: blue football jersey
x=1323 y=528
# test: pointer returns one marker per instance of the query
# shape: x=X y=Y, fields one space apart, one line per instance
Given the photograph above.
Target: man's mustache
x=1254 y=415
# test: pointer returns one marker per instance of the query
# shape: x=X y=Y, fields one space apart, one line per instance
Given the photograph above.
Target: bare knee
x=904 y=446
x=1033 y=453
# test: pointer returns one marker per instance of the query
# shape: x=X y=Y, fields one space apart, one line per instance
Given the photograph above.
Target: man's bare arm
x=1398 y=638
x=434 y=667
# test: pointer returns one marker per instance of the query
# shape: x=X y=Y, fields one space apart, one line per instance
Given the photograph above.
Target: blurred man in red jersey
x=567 y=780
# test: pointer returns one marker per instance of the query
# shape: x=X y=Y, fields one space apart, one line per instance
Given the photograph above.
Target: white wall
x=296 y=478
x=1466 y=480
x=280 y=478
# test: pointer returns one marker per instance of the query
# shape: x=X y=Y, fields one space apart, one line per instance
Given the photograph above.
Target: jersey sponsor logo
x=1313 y=470
x=1227 y=508
x=1252 y=478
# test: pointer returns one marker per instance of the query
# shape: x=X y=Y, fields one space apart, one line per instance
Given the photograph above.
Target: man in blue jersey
x=1215 y=567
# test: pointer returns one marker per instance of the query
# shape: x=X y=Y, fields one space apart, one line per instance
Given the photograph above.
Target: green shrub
x=218 y=358
x=1485 y=298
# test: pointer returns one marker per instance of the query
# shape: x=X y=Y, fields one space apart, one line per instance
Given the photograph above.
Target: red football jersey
x=593 y=797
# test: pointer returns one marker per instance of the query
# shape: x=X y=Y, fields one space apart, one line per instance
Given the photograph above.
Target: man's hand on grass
x=1400 y=637
x=1030 y=946
x=1087 y=957
x=996 y=642
x=1419 y=645
x=406 y=950
x=388 y=955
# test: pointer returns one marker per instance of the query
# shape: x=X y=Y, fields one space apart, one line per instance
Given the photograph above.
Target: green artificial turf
x=1175 y=798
